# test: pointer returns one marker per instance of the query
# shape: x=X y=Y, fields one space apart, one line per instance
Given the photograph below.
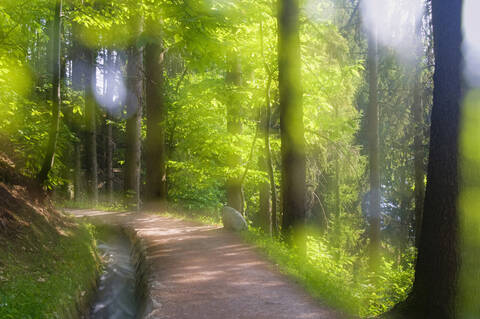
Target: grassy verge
x=192 y=216
x=116 y=206
x=338 y=277
x=341 y=280
x=47 y=275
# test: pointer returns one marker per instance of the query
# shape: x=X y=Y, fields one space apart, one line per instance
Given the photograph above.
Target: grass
x=47 y=278
x=340 y=280
x=192 y=216
x=116 y=206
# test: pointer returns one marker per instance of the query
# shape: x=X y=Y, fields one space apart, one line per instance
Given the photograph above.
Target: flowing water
x=116 y=291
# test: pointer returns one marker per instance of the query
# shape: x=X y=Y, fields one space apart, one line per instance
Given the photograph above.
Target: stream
x=115 y=298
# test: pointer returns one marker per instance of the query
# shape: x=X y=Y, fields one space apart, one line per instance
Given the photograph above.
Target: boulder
x=232 y=219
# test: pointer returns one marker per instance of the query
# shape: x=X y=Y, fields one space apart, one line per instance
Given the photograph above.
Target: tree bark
x=434 y=290
x=109 y=72
x=155 y=150
x=234 y=127
x=77 y=178
x=373 y=149
x=133 y=125
x=109 y=162
x=91 y=126
x=268 y=151
x=55 y=44
x=419 y=170
x=291 y=118
x=265 y=207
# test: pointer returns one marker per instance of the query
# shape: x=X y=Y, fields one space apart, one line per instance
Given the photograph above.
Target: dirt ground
x=205 y=272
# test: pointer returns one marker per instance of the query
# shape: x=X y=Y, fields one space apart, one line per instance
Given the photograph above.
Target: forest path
x=205 y=272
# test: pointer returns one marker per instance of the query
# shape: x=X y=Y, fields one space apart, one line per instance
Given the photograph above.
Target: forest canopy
x=310 y=117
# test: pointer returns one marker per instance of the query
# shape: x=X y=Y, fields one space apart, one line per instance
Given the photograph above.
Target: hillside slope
x=48 y=262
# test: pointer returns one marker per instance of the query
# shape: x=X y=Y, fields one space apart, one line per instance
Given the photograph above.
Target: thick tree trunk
x=78 y=60
x=234 y=127
x=155 y=151
x=91 y=126
x=434 y=289
x=291 y=118
x=133 y=126
x=373 y=149
x=55 y=45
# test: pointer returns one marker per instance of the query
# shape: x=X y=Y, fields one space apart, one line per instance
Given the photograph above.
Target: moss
x=49 y=276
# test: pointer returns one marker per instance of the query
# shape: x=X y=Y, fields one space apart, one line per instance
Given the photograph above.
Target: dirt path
x=205 y=272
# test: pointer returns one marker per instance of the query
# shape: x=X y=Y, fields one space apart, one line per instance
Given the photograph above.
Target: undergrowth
x=340 y=279
x=192 y=216
x=114 y=206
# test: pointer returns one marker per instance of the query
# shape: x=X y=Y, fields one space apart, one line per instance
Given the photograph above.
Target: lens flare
x=395 y=23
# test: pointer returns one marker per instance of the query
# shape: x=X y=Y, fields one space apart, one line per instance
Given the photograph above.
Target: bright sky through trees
x=471 y=44
x=394 y=22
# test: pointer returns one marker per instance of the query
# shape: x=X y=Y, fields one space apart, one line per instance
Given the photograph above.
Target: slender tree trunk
x=77 y=179
x=337 y=181
x=265 y=207
x=234 y=127
x=110 y=162
x=373 y=148
x=134 y=124
x=271 y=175
x=337 y=188
x=110 y=78
x=55 y=44
x=91 y=126
x=419 y=170
x=155 y=150
x=268 y=151
x=291 y=118
x=434 y=290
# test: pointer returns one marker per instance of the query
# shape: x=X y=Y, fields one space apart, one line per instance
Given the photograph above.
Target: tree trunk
x=77 y=178
x=55 y=45
x=91 y=126
x=271 y=175
x=373 y=148
x=419 y=170
x=133 y=126
x=109 y=162
x=268 y=151
x=155 y=151
x=234 y=127
x=264 y=200
x=110 y=77
x=291 y=118
x=434 y=290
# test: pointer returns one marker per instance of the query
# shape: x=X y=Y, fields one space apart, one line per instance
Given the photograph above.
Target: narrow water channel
x=115 y=297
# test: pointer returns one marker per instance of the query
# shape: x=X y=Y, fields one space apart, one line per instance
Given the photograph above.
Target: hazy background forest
x=177 y=106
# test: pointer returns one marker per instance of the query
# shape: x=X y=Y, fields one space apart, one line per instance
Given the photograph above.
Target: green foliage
x=201 y=38
x=340 y=277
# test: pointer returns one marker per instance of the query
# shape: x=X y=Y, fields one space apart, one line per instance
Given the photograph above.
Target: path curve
x=205 y=272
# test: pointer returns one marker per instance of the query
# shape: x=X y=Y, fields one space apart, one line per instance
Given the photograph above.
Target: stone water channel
x=115 y=297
